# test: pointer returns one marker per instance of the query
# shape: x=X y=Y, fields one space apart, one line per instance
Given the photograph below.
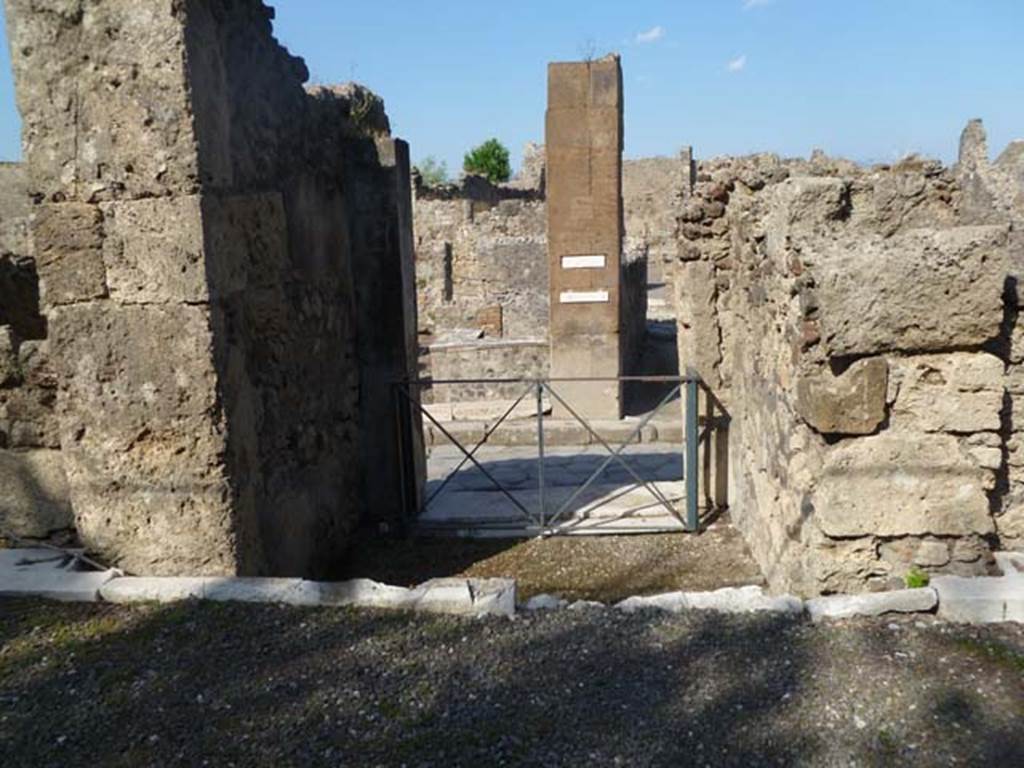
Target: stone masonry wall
x=194 y=237
x=34 y=501
x=853 y=322
x=480 y=257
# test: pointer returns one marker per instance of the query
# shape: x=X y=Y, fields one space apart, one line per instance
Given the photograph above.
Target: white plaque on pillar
x=596 y=261
x=583 y=297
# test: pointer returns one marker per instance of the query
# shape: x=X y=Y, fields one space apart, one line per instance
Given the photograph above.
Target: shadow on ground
x=271 y=686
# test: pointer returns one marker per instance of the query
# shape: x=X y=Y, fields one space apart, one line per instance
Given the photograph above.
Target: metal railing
x=546 y=516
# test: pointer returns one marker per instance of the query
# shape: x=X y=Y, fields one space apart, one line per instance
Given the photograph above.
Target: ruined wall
x=653 y=191
x=481 y=261
x=194 y=241
x=481 y=284
x=851 y=319
x=34 y=501
x=993 y=193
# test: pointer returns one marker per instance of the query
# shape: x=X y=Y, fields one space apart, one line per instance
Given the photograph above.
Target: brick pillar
x=585 y=226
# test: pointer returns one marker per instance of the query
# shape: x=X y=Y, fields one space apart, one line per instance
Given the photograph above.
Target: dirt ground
x=602 y=568
x=198 y=684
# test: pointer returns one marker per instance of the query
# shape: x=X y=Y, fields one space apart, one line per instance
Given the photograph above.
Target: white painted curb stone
x=873 y=604
x=464 y=597
x=544 y=603
x=728 y=600
x=984 y=600
x=143 y=589
x=44 y=573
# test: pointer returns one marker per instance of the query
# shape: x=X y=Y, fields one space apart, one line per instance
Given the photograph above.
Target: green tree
x=490 y=159
x=433 y=171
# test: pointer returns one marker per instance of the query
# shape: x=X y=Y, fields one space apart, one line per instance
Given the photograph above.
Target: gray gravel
x=269 y=686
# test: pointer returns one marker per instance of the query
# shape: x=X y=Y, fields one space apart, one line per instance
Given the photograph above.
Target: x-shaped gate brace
x=692 y=438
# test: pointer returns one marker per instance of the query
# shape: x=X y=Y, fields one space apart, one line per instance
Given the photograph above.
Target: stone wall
x=485 y=359
x=851 y=319
x=34 y=501
x=481 y=254
x=197 y=217
x=653 y=191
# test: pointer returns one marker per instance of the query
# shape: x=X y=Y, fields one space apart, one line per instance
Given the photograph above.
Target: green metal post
x=692 y=437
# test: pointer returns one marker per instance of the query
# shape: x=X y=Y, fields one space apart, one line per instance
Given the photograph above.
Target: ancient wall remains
x=653 y=191
x=481 y=261
x=34 y=501
x=853 y=322
x=199 y=236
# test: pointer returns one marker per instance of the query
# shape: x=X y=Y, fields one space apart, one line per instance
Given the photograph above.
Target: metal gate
x=550 y=515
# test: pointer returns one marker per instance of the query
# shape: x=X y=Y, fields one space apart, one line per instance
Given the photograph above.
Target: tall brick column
x=584 y=195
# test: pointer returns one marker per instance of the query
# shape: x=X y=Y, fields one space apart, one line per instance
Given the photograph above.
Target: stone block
x=69 y=253
x=852 y=403
x=154 y=250
x=34 y=495
x=143 y=437
x=103 y=95
x=882 y=294
x=902 y=483
x=957 y=392
x=808 y=202
x=873 y=604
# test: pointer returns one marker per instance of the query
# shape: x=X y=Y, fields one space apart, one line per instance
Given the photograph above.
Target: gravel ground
x=603 y=568
x=207 y=684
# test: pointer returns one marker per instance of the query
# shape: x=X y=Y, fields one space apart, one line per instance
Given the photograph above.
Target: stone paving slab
x=600 y=509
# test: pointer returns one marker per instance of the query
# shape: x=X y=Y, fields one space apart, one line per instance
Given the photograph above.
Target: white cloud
x=748 y=4
x=737 y=64
x=652 y=34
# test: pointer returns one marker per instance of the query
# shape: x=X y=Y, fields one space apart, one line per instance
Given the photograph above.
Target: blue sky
x=870 y=80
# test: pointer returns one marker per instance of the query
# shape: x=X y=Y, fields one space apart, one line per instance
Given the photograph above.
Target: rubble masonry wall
x=853 y=321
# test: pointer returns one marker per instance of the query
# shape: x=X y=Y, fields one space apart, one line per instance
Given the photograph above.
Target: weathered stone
x=902 y=483
x=10 y=370
x=544 y=603
x=34 y=497
x=957 y=392
x=69 y=244
x=872 y=604
x=852 y=403
x=932 y=554
x=728 y=600
x=806 y=202
x=697 y=318
x=154 y=250
x=878 y=295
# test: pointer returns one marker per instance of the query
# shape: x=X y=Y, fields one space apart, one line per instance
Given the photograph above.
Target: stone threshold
x=48 y=575
x=557 y=432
